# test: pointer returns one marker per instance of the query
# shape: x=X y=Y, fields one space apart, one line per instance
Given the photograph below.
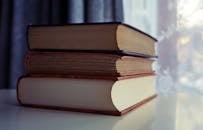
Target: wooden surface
x=168 y=112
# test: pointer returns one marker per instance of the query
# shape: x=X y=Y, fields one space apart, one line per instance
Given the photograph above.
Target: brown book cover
x=101 y=96
x=79 y=63
x=107 y=37
x=113 y=113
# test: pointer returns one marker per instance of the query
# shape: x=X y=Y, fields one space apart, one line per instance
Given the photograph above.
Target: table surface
x=166 y=112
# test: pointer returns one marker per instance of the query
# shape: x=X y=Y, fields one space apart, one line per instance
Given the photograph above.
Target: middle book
x=86 y=64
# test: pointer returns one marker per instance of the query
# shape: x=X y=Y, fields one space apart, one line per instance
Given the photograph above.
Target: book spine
x=138 y=104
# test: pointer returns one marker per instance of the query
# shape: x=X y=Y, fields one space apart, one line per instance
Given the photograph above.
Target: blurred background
x=178 y=26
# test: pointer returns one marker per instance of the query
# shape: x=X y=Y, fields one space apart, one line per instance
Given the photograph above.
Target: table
x=166 y=112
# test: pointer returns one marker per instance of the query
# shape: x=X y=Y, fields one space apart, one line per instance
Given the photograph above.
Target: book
x=103 y=96
x=139 y=119
x=112 y=37
x=77 y=63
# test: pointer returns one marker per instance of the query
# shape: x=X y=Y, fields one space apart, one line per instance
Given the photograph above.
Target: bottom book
x=102 y=96
x=140 y=119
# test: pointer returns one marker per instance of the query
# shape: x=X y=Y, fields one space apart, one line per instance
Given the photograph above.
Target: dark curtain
x=15 y=15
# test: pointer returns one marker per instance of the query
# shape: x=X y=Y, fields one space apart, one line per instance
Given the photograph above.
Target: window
x=178 y=26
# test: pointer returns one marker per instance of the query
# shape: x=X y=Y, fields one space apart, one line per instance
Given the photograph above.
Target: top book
x=115 y=37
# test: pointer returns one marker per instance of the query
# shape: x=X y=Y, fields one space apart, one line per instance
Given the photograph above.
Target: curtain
x=16 y=15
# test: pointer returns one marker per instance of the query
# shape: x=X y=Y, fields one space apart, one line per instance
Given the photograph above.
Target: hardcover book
x=77 y=63
x=90 y=37
x=115 y=96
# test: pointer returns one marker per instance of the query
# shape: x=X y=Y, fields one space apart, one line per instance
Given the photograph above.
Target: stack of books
x=103 y=68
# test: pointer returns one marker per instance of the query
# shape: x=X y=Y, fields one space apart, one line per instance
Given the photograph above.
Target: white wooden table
x=182 y=112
